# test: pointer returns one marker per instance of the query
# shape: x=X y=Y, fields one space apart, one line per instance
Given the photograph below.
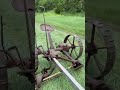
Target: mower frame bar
x=75 y=84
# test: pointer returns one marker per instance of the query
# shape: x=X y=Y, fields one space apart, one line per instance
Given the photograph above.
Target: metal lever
x=76 y=85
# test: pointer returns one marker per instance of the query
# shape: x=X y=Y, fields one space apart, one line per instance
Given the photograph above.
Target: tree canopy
x=59 y=6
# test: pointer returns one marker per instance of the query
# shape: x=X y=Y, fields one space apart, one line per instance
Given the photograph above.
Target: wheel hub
x=91 y=49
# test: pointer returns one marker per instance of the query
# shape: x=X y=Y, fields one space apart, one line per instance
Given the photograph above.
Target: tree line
x=60 y=6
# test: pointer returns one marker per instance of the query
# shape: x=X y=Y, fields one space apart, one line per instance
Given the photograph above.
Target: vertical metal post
x=28 y=28
x=3 y=64
x=50 y=40
x=45 y=27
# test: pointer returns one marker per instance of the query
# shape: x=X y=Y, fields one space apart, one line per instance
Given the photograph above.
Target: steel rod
x=70 y=58
x=45 y=26
x=50 y=40
x=28 y=28
x=2 y=38
x=3 y=63
x=76 y=85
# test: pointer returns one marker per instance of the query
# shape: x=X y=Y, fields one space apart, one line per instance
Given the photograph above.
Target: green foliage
x=60 y=6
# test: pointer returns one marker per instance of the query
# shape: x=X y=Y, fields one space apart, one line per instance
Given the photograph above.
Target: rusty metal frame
x=52 y=54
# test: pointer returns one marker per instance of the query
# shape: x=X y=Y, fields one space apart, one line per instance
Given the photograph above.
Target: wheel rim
x=101 y=50
x=76 y=49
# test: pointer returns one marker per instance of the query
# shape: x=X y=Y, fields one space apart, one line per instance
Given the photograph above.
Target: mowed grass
x=63 y=25
x=69 y=23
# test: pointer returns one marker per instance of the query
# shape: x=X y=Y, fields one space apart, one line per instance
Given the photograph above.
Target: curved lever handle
x=43 y=8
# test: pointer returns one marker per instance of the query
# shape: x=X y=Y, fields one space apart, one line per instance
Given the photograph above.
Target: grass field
x=69 y=23
x=63 y=25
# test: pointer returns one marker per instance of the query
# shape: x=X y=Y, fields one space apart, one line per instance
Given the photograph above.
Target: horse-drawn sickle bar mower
x=52 y=54
x=67 y=48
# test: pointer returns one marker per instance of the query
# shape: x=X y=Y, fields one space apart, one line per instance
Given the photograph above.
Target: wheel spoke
x=87 y=60
x=101 y=47
x=75 y=52
x=69 y=42
x=73 y=40
x=71 y=51
x=98 y=64
x=93 y=33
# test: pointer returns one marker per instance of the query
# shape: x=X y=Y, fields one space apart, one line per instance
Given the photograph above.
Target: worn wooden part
x=3 y=72
x=55 y=75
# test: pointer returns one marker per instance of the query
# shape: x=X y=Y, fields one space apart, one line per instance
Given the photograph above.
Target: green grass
x=63 y=25
x=71 y=24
